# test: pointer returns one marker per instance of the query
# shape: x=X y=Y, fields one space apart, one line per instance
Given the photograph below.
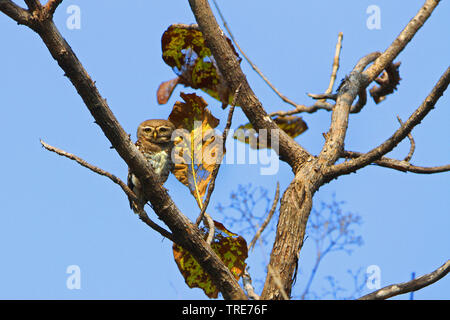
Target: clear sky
x=55 y=214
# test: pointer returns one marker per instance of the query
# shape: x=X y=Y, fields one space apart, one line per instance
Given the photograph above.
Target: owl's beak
x=155 y=134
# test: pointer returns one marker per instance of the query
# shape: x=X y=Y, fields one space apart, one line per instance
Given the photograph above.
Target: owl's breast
x=160 y=162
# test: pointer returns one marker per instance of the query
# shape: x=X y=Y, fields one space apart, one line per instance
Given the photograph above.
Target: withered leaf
x=388 y=82
x=165 y=90
x=184 y=49
x=197 y=146
x=231 y=249
x=292 y=125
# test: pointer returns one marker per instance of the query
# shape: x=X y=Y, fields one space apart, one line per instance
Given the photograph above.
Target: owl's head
x=156 y=131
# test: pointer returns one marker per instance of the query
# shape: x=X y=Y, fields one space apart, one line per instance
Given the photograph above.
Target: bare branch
x=12 y=10
x=142 y=215
x=413 y=285
x=411 y=141
x=321 y=104
x=248 y=287
x=33 y=5
x=335 y=65
x=403 y=166
x=401 y=41
x=268 y=218
x=51 y=6
x=376 y=153
x=289 y=150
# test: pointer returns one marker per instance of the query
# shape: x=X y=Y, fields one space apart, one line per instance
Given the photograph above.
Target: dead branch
x=335 y=65
x=413 y=285
x=399 y=165
x=401 y=41
x=52 y=5
x=12 y=10
x=248 y=287
x=412 y=147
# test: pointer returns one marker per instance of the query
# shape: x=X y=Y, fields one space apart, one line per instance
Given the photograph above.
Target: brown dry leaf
x=165 y=90
x=387 y=81
x=232 y=250
x=197 y=148
x=292 y=125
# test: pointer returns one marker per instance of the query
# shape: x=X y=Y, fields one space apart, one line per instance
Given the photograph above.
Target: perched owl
x=155 y=143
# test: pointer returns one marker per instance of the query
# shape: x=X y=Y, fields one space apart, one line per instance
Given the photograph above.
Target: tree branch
x=12 y=10
x=413 y=285
x=376 y=153
x=184 y=232
x=403 y=166
x=401 y=41
x=412 y=147
x=51 y=6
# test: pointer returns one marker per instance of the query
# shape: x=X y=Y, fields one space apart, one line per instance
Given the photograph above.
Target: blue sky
x=54 y=213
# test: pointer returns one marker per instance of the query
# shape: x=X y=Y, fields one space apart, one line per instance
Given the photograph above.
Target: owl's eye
x=163 y=129
x=148 y=129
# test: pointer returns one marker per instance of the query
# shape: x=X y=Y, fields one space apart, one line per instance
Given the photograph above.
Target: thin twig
x=377 y=152
x=33 y=4
x=412 y=143
x=51 y=6
x=321 y=103
x=255 y=68
x=19 y=14
x=219 y=161
x=268 y=218
x=335 y=65
x=404 y=166
x=248 y=287
x=142 y=215
x=410 y=286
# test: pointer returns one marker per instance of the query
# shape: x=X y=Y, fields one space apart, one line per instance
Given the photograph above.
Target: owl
x=154 y=141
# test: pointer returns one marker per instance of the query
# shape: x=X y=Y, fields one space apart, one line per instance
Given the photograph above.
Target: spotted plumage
x=155 y=143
